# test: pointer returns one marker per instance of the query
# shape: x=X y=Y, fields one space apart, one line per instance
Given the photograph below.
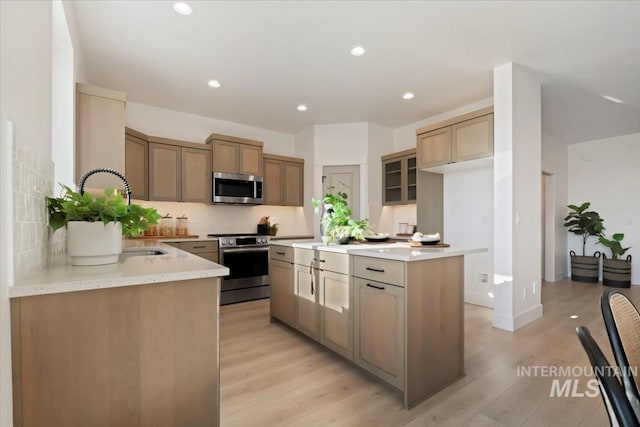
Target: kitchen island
x=395 y=310
x=131 y=343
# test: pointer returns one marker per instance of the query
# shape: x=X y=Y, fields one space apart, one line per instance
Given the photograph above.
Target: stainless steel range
x=247 y=257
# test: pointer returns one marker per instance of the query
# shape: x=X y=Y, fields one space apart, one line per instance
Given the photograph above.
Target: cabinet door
x=250 y=159
x=412 y=179
x=293 y=176
x=100 y=138
x=306 y=301
x=472 y=139
x=225 y=156
x=434 y=148
x=272 y=182
x=136 y=167
x=379 y=329
x=165 y=172
x=336 y=314
x=392 y=181
x=281 y=280
x=196 y=175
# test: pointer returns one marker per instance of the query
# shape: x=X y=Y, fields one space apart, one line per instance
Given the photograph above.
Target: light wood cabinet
x=207 y=249
x=336 y=312
x=472 y=139
x=379 y=329
x=144 y=355
x=283 y=181
x=136 y=164
x=306 y=301
x=462 y=138
x=179 y=173
x=399 y=178
x=236 y=155
x=165 y=172
x=100 y=134
x=281 y=279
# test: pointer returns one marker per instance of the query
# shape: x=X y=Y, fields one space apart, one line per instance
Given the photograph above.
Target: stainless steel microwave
x=236 y=189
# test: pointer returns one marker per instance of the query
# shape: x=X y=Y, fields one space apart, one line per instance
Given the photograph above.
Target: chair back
x=615 y=400
x=622 y=320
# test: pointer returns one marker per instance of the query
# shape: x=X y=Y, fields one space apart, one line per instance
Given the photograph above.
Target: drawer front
x=211 y=256
x=281 y=253
x=332 y=261
x=200 y=246
x=174 y=244
x=380 y=270
x=303 y=256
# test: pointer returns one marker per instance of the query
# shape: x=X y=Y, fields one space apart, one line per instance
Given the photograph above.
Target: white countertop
x=175 y=265
x=399 y=251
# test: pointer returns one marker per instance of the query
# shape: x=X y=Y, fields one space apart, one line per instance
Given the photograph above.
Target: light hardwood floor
x=273 y=376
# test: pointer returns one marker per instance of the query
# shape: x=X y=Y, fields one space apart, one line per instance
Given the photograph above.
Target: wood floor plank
x=274 y=376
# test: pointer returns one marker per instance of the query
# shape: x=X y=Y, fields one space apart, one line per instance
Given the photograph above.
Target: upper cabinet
x=179 y=171
x=460 y=139
x=283 y=181
x=236 y=155
x=399 y=178
x=100 y=134
x=136 y=163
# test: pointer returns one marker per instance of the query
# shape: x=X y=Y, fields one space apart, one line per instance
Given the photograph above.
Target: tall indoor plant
x=335 y=218
x=582 y=222
x=95 y=226
x=615 y=271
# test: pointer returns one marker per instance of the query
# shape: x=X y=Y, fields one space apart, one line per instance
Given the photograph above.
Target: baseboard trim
x=513 y=323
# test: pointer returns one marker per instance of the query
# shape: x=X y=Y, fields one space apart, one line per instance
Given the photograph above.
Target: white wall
x=189 y=127
x=468 y=222
x=606 y=172
x=304 y=147
x=380 y=142
x=554 y=162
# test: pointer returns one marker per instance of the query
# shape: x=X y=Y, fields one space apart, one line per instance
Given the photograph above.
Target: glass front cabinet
x=399 y=178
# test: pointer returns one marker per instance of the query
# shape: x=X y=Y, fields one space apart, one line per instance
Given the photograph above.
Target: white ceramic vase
x=93 y=243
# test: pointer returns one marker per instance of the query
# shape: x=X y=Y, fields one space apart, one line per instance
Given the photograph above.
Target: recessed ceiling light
x=213 y=83
x=574 y=316
x=407 y=95
x=357 y=51
x=182 y=8
x=612 y=99
x=302 y=107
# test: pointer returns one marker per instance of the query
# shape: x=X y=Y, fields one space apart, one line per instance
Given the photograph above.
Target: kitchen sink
x=130 y=252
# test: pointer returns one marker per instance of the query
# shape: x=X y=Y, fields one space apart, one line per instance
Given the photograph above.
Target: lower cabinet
x=306 y=301
x=336 y=312
x=379 y=329
x=207 y=249
x=281 y=280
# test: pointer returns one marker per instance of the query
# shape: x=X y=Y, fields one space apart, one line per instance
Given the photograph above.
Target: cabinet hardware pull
x=321 y=260
x=199 y=247
x=280 y=253
x=375 y=287
x=377 y=270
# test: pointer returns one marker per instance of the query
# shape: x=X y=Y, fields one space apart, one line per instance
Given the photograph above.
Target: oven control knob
x=223 y=242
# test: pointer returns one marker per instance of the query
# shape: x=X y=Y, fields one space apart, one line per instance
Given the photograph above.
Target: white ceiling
x=272 y=56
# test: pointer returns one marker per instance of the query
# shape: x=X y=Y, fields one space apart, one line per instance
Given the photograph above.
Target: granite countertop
x=174 y=265
x=400 y=251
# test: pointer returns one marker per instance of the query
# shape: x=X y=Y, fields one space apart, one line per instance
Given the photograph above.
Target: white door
x=345 y=179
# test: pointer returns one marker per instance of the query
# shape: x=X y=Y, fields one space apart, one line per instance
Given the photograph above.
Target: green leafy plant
x=73 y=206
x=338 y=223
x=614 y=245
x=584 y=223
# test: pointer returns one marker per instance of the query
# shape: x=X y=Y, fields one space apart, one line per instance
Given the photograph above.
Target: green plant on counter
x=614 y=245
x=73 y=206
x=584 y=223
x=338 y=223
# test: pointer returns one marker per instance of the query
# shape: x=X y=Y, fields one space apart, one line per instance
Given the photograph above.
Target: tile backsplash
x=34 y=243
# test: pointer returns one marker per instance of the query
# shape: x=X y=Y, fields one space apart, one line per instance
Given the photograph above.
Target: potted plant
x=336 y=224
x=616 y=272
x=584 y=223
x=95 y=226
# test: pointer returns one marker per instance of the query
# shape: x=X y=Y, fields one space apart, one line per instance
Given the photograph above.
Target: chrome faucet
x=87 y=174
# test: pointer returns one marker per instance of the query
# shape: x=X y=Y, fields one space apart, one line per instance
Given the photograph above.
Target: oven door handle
x=240 y=250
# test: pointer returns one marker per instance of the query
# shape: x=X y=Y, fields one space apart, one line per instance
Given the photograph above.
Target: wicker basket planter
x=585 y=268
x=616 y=272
